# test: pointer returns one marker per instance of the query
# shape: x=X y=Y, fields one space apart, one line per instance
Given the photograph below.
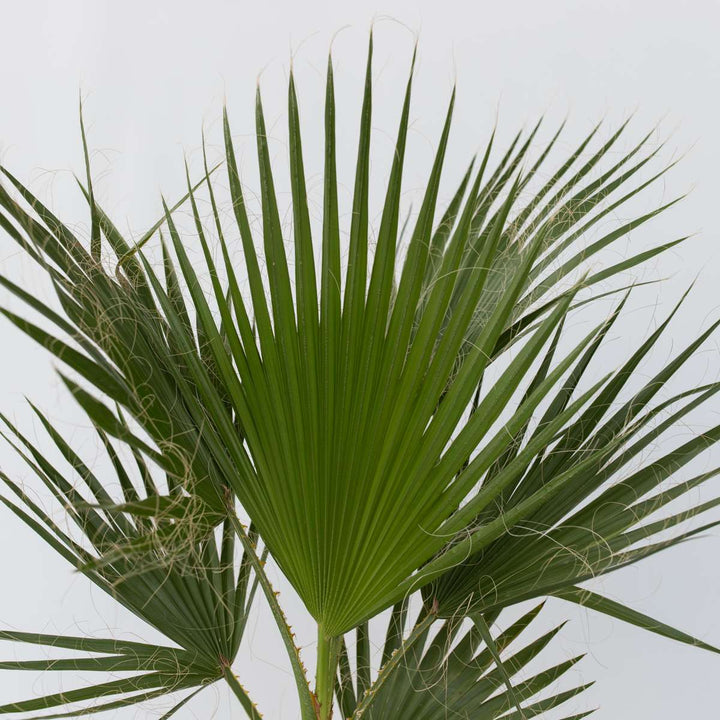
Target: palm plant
x=406 y=426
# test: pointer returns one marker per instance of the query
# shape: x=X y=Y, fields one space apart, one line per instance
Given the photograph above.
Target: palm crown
x=342 y=402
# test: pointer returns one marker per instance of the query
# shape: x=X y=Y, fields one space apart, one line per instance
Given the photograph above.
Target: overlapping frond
x=456 y=671
x=533 y=530
x=150 y=547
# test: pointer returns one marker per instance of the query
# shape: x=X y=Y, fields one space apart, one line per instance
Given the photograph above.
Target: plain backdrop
x=153 y=74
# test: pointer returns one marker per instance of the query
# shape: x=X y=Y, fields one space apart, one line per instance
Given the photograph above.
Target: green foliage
x=343 y=402
x=451 y=676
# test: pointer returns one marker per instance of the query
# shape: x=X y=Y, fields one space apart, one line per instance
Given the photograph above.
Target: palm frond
x=141 y=550
x=457 y=672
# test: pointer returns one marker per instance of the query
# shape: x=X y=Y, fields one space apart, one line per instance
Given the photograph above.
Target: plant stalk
x=307 y=708
x=240 y=693
x=328 y=649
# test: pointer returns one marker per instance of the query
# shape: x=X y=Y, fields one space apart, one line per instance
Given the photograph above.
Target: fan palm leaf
x=457 y=674
x=201 y=605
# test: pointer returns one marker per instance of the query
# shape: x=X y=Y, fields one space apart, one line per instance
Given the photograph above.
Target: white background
x=152 y=74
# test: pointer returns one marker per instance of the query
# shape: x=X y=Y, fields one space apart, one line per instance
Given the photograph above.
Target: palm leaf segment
x=334 y=404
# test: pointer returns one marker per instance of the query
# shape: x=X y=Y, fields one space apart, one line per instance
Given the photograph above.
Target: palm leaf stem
x=307 y=701
x=328 y=655
x=240 y=693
